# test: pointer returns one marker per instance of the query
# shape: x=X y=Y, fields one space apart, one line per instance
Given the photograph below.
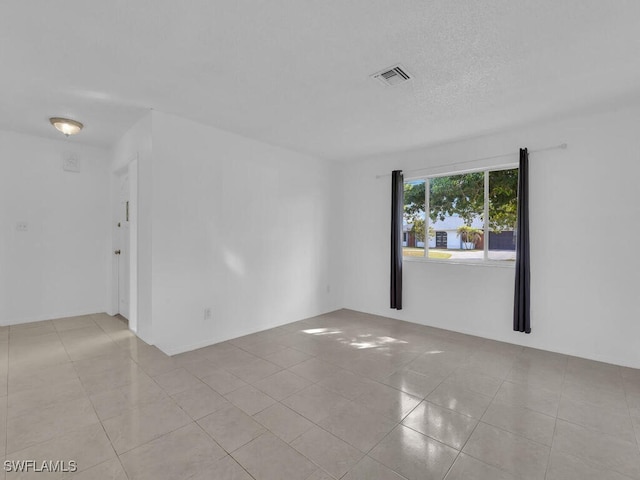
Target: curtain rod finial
x=563 y=146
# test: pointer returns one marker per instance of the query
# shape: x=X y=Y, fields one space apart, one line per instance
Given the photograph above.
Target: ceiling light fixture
x=66 y=125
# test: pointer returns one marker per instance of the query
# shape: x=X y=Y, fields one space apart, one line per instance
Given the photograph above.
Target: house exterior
x=447 y=237
x=409 y=238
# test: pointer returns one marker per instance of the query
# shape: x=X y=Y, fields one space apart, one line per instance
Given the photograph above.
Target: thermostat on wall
x=71 y=162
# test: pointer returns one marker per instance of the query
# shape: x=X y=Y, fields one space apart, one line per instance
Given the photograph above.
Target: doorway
x=123 y=242
x=124 y=273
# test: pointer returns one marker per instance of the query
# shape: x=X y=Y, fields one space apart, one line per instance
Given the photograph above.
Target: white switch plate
x=71 y=162
x=22 y=226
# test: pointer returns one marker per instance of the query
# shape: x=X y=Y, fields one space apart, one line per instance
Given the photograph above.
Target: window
x=471 y=216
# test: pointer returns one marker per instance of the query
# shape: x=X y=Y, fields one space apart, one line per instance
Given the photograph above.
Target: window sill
x=479 y=263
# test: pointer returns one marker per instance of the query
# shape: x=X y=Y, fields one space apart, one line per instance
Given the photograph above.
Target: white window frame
x=485 y=261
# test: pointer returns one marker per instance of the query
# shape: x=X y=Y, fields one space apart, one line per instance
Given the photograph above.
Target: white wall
x=584 y=291
x=58 y=267
x=248 y=229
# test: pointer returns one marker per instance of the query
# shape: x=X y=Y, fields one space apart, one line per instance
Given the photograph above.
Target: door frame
x=130 y=169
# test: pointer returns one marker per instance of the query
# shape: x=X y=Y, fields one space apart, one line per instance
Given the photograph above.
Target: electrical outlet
x=22 y=226
x=208 y=314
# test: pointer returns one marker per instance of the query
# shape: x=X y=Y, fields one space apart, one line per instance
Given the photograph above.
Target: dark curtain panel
x=521 y=317
x=397 y=211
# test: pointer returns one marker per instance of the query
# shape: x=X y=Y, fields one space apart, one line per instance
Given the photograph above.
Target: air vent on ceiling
x=392 y=76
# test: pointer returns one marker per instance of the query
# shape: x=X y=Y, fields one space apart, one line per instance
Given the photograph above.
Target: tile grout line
x=101 y=421
x=507 y=431
x=626 y=399
x=227 y=453
x=317 y=348
x=93 y=406
x=83 y=389
x=555 y=423
x=474 y=429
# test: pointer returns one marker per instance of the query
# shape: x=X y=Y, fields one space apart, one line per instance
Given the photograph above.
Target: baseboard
x=171 y=350
x=527 y=341
x=51 y=316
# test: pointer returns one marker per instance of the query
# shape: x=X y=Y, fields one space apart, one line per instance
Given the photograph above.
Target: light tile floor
x=343 y=395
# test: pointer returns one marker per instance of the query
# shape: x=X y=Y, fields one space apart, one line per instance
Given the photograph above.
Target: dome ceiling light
x=66 y=125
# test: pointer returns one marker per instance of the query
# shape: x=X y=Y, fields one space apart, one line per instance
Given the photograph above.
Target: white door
x=123 y=249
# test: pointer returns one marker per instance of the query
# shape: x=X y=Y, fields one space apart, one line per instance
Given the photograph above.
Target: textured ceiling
x=296 y=73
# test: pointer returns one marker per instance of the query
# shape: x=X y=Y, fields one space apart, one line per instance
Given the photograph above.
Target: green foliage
x=418 y=229
x=469 y=234
x=414 y=201
x=464 y=195
x=503 y=200
x=457 y=194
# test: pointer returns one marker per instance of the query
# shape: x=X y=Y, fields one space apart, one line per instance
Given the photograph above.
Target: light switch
x=22 y=226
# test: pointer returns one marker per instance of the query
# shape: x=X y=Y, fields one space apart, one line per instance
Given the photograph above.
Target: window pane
x=413 y=227
x=503 y=214
x=456 y=211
